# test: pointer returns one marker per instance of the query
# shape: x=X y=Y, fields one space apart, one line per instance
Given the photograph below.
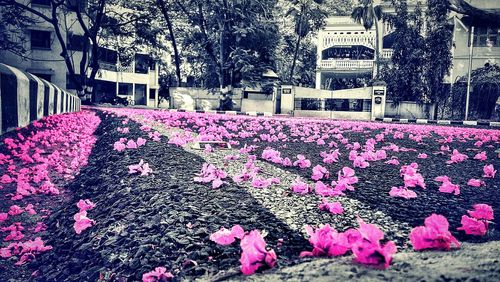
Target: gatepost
x=378 y=99
x=287 y=99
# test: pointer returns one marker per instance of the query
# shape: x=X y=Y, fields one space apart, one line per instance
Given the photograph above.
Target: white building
x=137 y=82
x=346 y=50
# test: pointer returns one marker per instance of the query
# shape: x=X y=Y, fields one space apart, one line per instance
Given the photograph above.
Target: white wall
x=409 y=110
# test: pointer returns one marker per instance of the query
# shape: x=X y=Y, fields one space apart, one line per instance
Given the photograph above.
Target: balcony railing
x=346 y=64
x=115 y=67
x=387 y=53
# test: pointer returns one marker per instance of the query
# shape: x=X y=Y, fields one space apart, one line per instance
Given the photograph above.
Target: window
x=108 y=56
x=486 y=37
x=40 y=39
x=76 y=42
x=125 y=89
x=41 y=2
x=152 y=94
x=141 y=63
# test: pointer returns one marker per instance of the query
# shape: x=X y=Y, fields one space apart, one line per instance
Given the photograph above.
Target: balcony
x=347 y=65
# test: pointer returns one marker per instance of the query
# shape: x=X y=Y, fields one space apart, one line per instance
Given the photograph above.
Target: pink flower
x=473 y=226
x=30 y=209
x=442 y=178
x=231 y=157
x=392 y=162
x=85 y=205
x=15 y=210
x=360 y=162
x=260 y=182
x=482 y=211
x=208 y=149
x=40 y=226
x=489 y=171
x=457 y=157
x=422 y=156
x=300 y=187
x=254 y=254
x=475 y=182
x=118 y=146
x=434 y=235
x=335 y=207
x=320 y=172
x=140 y=142
x=6 y=179
x=141 y=167
x=302 y=162
x=82 y=222
x=226 y=237
x=367 y=248
x=448 y=187
x=131 y=144
x=3 y=216
x=211 y=174
x=326 y=241
x=157 y=275
x=402 y=192
x=481 y=156
x=324 y=190
x=345 y=179
x=287 y=162
x=330 y=158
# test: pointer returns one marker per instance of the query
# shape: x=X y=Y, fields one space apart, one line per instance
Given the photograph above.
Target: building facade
x=138 y=82
x=346 y=51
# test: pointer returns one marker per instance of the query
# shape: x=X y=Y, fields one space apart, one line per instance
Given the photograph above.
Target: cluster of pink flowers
x=35 y=165
x=226 y=237
x=447 y=186
x=26 y=250
x=302 y=162
x=320 y=172
x=82 y=222
x=300 y=187
x=332 y=157
x=489 y=171
x=478 y=221
x=254 y=254
x=211 y=174
x=345 y=180
x=159 y=274
x=434 y=235
x=411 y=177
x=457 y=157
x=334 y=208
x=142 y=168
x=123 y=144
x=364 y=243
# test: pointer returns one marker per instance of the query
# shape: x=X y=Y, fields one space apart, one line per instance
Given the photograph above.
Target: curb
x=260 y=114
x=449 y=122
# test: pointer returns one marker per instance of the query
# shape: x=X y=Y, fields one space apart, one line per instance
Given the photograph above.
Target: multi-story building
x=138 y=82
x=346 y=51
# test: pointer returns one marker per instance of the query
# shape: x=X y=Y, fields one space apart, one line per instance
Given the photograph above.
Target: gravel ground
x=165 y=219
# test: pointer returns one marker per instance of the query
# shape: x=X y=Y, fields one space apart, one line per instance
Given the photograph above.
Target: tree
x=309 y=16
x=462 y=7
x=405 y=74
x=369 y=15
x=438 y=59
x=233 y=39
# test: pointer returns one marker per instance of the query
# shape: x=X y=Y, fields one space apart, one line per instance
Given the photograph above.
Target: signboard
x=286 y=91
x=379 y=92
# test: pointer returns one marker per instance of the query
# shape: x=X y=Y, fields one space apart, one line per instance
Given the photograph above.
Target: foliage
x=405 y=76
x=438 y=42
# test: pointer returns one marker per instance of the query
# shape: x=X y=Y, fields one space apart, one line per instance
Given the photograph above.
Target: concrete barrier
x=25 y=98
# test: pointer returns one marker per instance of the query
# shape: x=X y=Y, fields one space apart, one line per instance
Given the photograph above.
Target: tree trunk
x=177 y=60
x=377 y=42
x=297 y=46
